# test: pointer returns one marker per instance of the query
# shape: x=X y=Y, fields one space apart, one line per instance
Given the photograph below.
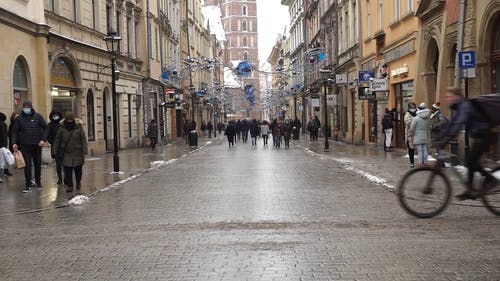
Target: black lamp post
x=113 y=45
x=326 y=73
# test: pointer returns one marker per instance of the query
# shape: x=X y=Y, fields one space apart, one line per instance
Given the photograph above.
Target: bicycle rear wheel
x=491 y=198
x=424 y=192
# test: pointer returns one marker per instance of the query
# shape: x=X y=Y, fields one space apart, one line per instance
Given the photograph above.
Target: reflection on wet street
x=248 y=213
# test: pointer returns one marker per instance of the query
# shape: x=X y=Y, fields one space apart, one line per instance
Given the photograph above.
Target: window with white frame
x=244 y=10
x=397 y=9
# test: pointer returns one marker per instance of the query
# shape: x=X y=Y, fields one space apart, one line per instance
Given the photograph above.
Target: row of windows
x=243 y=25
x=242 y=42
x=401 y=7
x=244 y=11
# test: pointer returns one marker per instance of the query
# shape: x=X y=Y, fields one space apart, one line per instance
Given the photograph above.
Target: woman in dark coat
x=71 y=146
x=54 y=126
x=153 y=134
x=230 y=133
x=287 y=133
x=254 y=132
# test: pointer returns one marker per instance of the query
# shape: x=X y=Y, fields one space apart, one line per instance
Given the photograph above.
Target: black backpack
x=489 y=107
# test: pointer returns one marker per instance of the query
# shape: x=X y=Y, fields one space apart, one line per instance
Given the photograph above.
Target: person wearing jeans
x=29 y=135
x=387 y=126
x=71 y=146
x=419 y=128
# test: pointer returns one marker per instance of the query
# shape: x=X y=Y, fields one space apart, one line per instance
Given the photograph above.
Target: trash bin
x=193 y=138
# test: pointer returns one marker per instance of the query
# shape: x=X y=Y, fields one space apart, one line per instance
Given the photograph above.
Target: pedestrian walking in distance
x=230 y=133
x=387 y=126
x=203 y=128
x=153 y=134
x=277 y=133
x=412 y=113
x=71 y=146
x=3 y=138
x=54 y=126
x=264 y=130
x=420 y=130
x=254 y=132
x=287 y=133
x=210 y=128
x=29 y=135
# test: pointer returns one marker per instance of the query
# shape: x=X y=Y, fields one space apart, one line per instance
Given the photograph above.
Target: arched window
x=244 y=25
x=245 y=41
x=244 y=10
x=90 y=116
x=20 y=83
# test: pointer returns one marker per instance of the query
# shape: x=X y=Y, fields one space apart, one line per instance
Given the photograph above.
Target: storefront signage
x=365 y=94
x=378 y=85
x=400 y=71
x=407 y=86
x=315 y=102
x=330 y=99
x=341 y=78
x=364 y=76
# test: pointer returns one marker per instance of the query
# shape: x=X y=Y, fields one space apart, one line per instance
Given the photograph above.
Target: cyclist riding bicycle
x=482 y=137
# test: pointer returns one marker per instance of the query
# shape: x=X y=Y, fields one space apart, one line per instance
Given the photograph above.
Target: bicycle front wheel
x=424 y=192
x=491 y=197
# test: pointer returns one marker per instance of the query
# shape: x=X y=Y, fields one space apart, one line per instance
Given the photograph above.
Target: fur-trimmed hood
x=78 y=122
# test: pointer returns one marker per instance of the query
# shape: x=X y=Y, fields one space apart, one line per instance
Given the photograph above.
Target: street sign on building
x=330 y=99
x=468 y=72
x=315 y=102
x=341 y=78
x=364 y=76
x=365 y=94
x=466 y=59
x=378 y=85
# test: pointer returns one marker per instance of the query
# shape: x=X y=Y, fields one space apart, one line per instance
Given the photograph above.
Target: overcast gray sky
x=273 y=18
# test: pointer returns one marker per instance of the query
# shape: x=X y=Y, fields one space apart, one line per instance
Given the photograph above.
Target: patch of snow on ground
x=78 y=200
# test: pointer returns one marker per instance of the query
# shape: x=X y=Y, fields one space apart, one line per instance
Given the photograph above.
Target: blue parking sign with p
x=466 y=59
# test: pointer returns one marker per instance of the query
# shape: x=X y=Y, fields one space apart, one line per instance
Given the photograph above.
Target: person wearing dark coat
x=287 y=133
x=230 y=133
x=210 y=128
x=54 y=125
x=254 y=132
x=29 y=135
x=71 y=144
x=153 y=133
x=238 y=128
x=3 y=138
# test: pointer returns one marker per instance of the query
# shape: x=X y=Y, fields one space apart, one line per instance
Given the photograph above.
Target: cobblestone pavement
x=249 y=214
x=96 y=175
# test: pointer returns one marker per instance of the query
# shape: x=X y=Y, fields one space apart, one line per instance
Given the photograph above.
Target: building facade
x=389 y=44
x=240 y=23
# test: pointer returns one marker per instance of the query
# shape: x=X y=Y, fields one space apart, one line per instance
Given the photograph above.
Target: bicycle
x=426 y=191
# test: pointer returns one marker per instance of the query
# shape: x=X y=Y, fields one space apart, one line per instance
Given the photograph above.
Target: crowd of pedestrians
x=28 y=133
x=281 y=132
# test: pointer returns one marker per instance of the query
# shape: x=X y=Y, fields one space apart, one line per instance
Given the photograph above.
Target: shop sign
x=315 y=102
x=341 y=78
x=330 y=99
x=365 y=94
x=378 y=85
x=407 y=86
x=364 y=76
x=400 y=71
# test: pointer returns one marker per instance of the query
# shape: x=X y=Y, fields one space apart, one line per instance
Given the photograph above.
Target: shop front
x=63 y=87
x=403 y=94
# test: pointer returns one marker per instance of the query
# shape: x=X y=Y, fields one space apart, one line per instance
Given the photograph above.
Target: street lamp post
x=327 y=144
x=113 y=45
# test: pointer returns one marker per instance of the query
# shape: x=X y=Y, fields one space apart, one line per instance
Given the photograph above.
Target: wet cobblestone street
x=248 y=213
